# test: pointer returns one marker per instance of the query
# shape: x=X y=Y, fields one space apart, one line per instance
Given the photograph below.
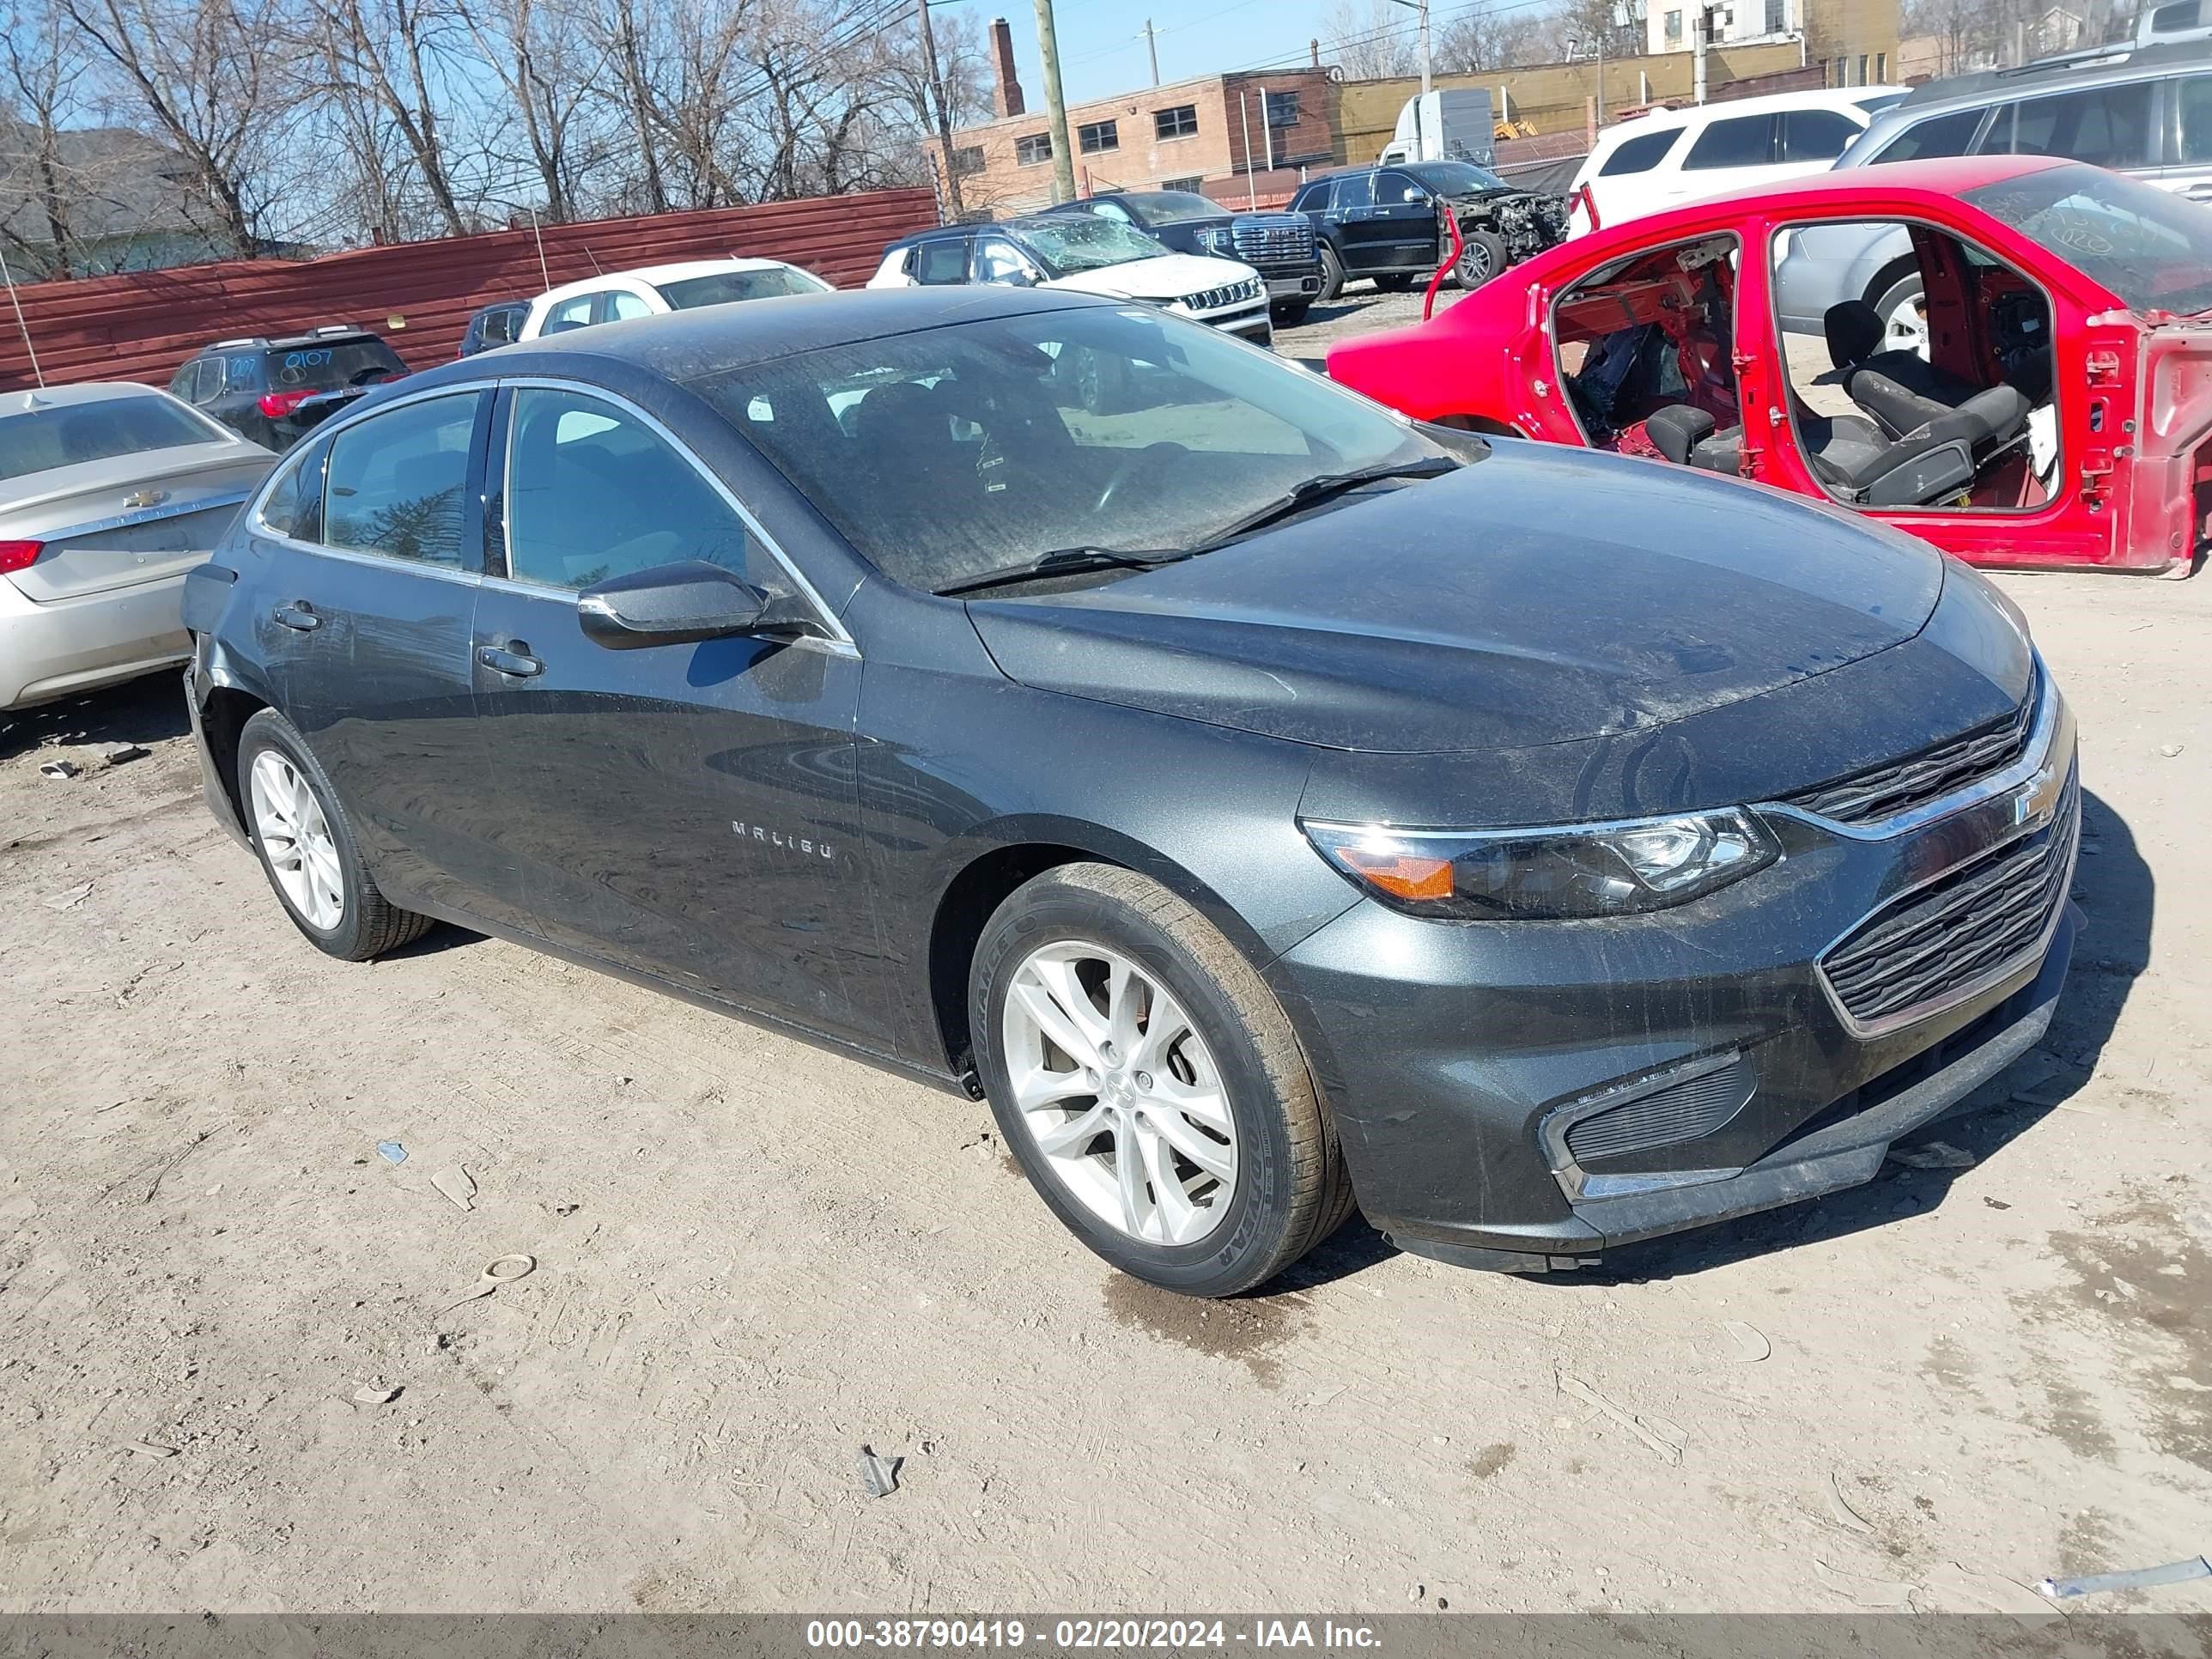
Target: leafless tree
x=375 y=66
x=1370 y=39
x=209 y=79
x=42 y=188
x=547 y=71
x=1492 y=38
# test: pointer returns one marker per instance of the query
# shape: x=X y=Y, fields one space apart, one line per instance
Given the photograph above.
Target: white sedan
x=109 y=492
x=615 y=296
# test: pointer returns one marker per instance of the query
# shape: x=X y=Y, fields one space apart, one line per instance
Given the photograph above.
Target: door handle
x=512 y=659
x=297 y=613
x=2199 y=193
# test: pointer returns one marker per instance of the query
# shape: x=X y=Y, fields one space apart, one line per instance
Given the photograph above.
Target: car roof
x=332 y=336
x=676 y=271
x=685 y=345
x=1985 y=86
x=84 y=392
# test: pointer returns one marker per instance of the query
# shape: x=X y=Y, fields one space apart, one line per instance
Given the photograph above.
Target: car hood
x=1168 y=276
x=1538 y=596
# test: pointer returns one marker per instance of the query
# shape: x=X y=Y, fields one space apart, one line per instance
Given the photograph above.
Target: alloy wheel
x=1120 y=1093
x=295 y=838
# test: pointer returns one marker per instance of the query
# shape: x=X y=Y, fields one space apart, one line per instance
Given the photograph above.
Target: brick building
x=1169 y=137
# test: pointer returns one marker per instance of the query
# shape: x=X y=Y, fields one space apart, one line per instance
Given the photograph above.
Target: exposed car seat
x=1934 y=459
x=1901 y=390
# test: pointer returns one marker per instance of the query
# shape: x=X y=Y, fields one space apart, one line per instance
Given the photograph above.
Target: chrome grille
x=1966 y=929
x=1275 y=246
x=1213 y=299
x=1882 y=792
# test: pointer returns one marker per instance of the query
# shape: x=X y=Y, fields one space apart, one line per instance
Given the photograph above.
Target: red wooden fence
x=419 y=294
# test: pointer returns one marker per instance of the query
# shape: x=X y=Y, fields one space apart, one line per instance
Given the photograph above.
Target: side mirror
x=1421 y=197
x=678 y=604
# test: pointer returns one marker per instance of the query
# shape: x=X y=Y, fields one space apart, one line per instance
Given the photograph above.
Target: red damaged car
x=2056 y=409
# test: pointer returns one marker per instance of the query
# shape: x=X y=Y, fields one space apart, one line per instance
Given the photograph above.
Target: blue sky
x=1101 y=48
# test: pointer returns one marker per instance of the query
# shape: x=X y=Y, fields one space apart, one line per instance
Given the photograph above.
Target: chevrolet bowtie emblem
x=146 y=498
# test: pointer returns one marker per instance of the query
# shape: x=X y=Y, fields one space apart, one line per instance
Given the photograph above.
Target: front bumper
x=1731 y=1077
x=67 y=645
x=1248 y=321
x=1294 y=288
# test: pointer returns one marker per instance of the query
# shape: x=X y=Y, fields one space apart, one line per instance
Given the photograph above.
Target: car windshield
x=724 y=286
x=40 y=440
x=1173 y=207
x=1457 y=178
x=1066 y=243
x=947 y=453
x=327 y=368
x=2152 y=248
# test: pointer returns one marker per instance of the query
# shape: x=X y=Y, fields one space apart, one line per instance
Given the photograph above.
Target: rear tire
x=306 y=847
x=1332 y=275
x=1151 y=1026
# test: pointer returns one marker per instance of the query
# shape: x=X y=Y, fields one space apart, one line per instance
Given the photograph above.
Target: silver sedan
x=109 y=492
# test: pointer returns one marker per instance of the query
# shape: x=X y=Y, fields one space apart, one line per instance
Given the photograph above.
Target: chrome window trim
x=2034 y=754
x=841 y=644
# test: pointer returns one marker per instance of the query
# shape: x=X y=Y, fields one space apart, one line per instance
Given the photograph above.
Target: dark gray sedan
x=1261 y=799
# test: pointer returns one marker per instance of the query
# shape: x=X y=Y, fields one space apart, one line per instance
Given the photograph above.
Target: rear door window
x=1815 y=135
x=944 y=261
x=397 y=482
x=1944 y=135
x=1313 y=200
x=1639 y=154
x=1355 y=189
x=1740 y=141
x=573 y=312
x=293 y=505
x=2105 y=126
x=622 y=305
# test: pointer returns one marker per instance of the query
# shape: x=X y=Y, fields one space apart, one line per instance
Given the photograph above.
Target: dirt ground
x=752 y=1259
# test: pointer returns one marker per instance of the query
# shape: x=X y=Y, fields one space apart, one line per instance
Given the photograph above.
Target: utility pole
x=1153 y=47
x=933 y=89
x=1422 y=7
x=1055 y=106
x=1701 y=26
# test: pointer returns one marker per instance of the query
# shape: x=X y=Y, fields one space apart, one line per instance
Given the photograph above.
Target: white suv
x=615 y=296
x=1675 y=155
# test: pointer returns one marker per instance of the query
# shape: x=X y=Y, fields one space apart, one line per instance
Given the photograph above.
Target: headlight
x=1572 y=870
x=1216 y=236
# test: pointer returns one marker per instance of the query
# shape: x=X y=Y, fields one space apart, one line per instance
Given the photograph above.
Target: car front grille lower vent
x=1667 y=1116
x=1928 y=948
x=1213 y=299
x=1883 y=791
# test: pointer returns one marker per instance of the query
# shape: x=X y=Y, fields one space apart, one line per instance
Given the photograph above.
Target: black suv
x=273 y=391
x=1280 y=246
x=1387 y=222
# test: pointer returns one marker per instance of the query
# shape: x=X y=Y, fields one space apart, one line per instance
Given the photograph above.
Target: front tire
x=1332 y=275
x=1395 y=281
x=1481 y=257
x=1904 y=328
x=307 y=848
x=1291 y=314
x=1149 y=1084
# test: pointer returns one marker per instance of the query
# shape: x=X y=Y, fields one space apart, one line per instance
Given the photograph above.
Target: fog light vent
x=1688 y=1110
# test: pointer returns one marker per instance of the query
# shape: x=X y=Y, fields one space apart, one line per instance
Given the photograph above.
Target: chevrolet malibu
x=1265 y=801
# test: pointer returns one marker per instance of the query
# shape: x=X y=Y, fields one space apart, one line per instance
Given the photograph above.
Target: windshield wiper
x=1314 y=490
x=1062 y=561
